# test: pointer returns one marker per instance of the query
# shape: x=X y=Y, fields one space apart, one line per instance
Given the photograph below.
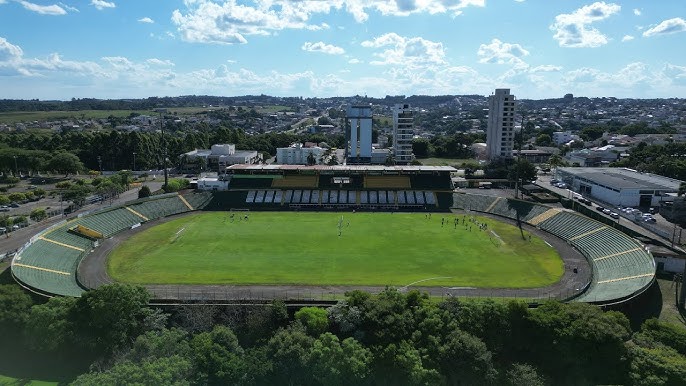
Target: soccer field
x=376 y=249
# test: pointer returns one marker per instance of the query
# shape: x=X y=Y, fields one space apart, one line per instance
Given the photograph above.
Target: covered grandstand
x=48 y=263
x=621 y=267
x=278 y=187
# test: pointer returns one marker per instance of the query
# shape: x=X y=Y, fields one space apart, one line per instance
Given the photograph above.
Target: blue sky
x=539 y=48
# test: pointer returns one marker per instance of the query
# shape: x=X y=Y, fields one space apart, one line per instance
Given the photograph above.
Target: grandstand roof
x=623 y=178
x=343 y=168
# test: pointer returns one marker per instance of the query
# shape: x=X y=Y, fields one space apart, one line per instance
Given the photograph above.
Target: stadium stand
x=295 y=182
x=389 y=182
x=48 y=264
x=621 y=266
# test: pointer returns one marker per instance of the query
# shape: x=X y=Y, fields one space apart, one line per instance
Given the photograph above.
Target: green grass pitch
x=375 y=249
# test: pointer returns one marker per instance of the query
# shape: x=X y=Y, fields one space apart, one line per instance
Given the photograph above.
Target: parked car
x=652 y=210
x=650 y=219
x=614 y=215
x=600 y=209
x=607 y=211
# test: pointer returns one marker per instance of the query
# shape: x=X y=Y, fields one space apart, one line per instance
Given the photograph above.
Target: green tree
x=38 y=214
x=47 y=327
x=465 y=359
x=523 y=170
x=659 y=365
x=288 y=350
x=523 y=374
x=402 y=364
x=66 y=163
x=314 y=319
x=544 y=140
x=15 y=306
x=77 y=194
x=173 y=370
x=109 y=317
x=421 y=148
x=217 y=357
x=159 y=344
x=333 y=362
x=17 y=197
x=144 y=192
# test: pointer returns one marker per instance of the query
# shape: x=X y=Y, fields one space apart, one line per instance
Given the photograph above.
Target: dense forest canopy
x=392 y=338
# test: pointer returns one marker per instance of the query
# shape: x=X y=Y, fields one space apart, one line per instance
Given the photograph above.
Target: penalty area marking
x=431 y=278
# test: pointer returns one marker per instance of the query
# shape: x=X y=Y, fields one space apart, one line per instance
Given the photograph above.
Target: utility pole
x=164 y=146
x=134 y=161
x=100 y=164
x=16 y=169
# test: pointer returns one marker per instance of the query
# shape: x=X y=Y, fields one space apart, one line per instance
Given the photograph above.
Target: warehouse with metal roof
x=620 y=186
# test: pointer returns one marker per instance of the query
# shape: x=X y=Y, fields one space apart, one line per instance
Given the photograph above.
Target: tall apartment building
x=358 y=134
x=501 y=128
x=403 y=121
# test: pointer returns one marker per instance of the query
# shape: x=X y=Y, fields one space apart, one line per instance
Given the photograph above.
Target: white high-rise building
x=500 y=133
x=403 y=122
x=359 y=134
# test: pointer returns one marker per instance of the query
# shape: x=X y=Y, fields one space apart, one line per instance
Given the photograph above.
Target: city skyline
x=539 y=49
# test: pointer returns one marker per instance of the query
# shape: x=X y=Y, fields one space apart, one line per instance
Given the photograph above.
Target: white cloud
x=102 y=4
x=627 y=38
x=637 y=12
x=159 y=62
x=9 y=52
x=669 y=26
x=146 y=20
x=230 y=21
x=68 y=7
x=354 y=61
x=546 y=68
x=411 y=52
x=44 y=9
x=574 y=30
x=501 y=53
x=322 y=47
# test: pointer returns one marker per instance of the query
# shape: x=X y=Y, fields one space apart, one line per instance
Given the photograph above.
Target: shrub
x=17 y=197
x=38 y=214
x=144 y=192
x=176 y=184
x=315 y=319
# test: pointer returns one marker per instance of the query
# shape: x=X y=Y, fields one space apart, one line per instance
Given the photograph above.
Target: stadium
x=296 y=232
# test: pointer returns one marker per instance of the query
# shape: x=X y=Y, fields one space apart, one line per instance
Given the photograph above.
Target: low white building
x=620 y=186
x=297 y=154
x=218 y=157
x=560 y=137
x=212 y=183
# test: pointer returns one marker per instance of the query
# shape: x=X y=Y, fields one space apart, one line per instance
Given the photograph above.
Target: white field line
x=431 y=278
